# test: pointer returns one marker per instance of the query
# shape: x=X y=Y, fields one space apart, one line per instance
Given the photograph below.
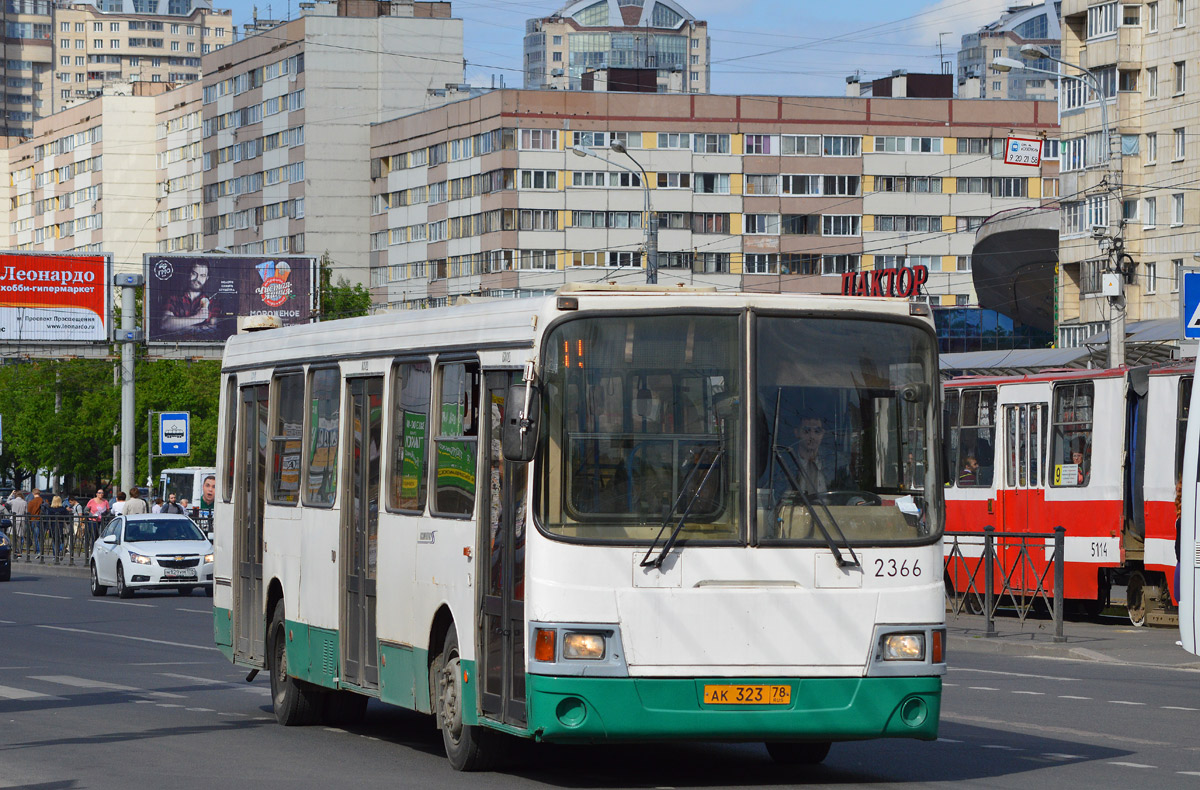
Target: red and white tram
x=1098 y=452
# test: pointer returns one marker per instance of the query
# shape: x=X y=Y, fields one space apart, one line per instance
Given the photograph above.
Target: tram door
x=360 y=531
x=1025 y=498
x=502 y=549
x=249 y=643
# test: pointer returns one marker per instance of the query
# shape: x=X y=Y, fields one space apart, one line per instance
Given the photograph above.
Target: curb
x=20 y=567
x=997 y=646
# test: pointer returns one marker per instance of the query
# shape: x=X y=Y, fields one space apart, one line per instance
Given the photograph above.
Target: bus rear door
x=249 y=613
x=360 y=531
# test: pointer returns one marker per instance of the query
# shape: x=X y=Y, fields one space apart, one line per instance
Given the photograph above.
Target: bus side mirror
x=519 y=435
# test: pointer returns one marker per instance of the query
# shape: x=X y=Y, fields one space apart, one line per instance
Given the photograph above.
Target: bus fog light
x=903 y=647
x=583 y=646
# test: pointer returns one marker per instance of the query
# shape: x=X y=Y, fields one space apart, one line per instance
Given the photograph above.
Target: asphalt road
x=104 y=693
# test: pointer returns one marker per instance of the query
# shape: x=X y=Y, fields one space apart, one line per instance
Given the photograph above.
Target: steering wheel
x=849 y=498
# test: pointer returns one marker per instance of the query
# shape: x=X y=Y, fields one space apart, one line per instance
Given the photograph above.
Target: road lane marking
x=948 y=740
x=983 y=688
x=197 y=611
x=134 y=638
x=167 y=705
x=167 y=663
x=230 y=684
x=8 y=692
x=1134 y=765
x=1060 y=756
x=86 y=683
x=44 y=595
x=1124 y=702
x=1000 y=746
x=1069 y=696
x=1028 y=726
x=1032 y=693
x=1177 y=707
x=201 y=710
x=1009 y=674
x=1189 y=773
x=121 y=603
x=8 y=622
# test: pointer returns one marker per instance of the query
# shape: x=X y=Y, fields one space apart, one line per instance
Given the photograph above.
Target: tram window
x=285 y=439
x=231 y=415
x=1071 y=453
x=410 y=437
x=324 y=414
x=976 y=442
x=1185 y=403
x=458 y=436
x=950 y=405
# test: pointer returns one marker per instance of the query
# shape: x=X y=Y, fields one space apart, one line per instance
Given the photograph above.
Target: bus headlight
x=903 y=647
x=583 y=646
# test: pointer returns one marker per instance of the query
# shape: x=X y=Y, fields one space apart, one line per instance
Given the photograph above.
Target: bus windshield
x=642 y=426
x=841 y=411
x=645 y=426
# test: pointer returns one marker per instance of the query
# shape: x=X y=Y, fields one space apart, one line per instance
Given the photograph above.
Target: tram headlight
x=903 y=647
x=583 y=646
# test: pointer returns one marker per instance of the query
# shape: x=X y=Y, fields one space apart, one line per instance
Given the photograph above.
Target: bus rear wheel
x=798 y=753
x=294 y=701
x=468 y=747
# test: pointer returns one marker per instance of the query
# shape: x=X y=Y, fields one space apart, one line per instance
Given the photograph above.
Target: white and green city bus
x=610 y=514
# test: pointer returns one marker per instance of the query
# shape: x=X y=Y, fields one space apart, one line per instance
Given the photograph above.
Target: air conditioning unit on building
x=556 y=72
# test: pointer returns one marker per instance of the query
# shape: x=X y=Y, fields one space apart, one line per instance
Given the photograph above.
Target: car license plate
x=179 y=573
x=740 y=694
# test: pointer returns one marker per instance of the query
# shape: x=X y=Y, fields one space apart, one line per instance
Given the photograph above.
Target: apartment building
x=516 y=192
x=87 y=181
x=180 y=176
x=58 y=54
x=1134 y=185
x=286 y=119
x=1019 y=24
x=584 y=42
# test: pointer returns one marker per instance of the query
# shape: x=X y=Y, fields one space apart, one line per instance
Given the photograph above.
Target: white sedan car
x=152 y=551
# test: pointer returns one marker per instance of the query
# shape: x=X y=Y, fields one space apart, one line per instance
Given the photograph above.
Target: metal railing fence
x=989 y=569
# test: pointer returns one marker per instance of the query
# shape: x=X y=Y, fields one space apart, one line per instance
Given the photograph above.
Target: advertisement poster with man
x=200 y=298
x=55 y=296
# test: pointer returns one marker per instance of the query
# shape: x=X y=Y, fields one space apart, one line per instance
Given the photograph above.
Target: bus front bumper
x=583 y=710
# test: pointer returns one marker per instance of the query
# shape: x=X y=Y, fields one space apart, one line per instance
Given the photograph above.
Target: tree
x=341 y=300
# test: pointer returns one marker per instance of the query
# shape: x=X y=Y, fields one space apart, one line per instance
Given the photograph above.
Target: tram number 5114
x=1099 y=550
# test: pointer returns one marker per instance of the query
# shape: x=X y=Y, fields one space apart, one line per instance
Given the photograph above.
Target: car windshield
x=162 y=529
x=841 y=415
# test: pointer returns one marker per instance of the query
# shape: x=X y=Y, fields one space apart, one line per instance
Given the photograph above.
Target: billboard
x=55 y=296
x=194 y=298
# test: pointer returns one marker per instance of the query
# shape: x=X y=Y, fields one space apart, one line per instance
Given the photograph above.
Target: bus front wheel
x=468 y=747
x=294 y=701
x=798 y=753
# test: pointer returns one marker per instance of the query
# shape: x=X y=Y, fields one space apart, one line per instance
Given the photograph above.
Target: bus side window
x=407 y=481
x=457 y=439
x=285 y=439
x=324 y=415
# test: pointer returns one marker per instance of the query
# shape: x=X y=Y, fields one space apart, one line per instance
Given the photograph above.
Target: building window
x=1180 y=144
x=1177 y=209
x=841 y=225
x=539 y=139
x=114 y=27
x=800 y=144
x=842 y=145
x=1131 y=16
x=1180 y=77
x=1101 y=20
x=1150 y=219
x=539 y=179
x=674 y=180
x=1152 y=17
x=761 y=224
x=1050 y=188
x=1129 y=209
x=758 y=144
x=1097 y=211
x=556 y=57
x=1152 y=82
x=1180 y=13
x=695 y=43
x=963 y=263
x=114 y=43
x=1150 y=278
x=711 y=184
x=1127 y=79
x=674 y=140
x=1151 y=148
x=710 y=143
x=1176 y=274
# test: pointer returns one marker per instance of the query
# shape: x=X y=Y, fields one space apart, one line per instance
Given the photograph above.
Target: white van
x=192 y=483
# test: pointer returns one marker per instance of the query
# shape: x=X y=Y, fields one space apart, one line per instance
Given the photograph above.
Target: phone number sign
x=1023 y=151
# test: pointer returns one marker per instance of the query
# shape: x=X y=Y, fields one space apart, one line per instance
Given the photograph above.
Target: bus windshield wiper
x=670 y=544
x=781 y=452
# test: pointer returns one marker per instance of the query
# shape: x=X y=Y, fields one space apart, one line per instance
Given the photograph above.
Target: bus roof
x=508 y=323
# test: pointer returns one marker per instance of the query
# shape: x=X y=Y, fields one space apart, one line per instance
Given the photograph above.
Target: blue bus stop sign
x=174 y=434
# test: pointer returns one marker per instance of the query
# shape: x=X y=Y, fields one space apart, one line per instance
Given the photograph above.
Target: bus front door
x=360 y=532
x=249 y=603
x=502 y=551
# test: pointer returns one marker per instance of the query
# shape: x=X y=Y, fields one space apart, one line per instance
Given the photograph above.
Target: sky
x=786 y=47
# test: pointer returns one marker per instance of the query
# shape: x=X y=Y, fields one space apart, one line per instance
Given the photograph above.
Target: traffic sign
x=174 y=433
x=1189 y=304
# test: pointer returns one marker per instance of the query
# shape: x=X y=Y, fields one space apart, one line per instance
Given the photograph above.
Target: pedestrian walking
x=172 y=506
x=135 y=505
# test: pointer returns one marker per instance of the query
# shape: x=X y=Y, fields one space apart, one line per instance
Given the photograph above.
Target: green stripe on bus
x=565 y=709
x=313 y=654
x=223 y=631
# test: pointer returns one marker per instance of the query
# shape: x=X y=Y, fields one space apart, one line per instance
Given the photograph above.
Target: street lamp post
x=1112 y=247
x=651 y=220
